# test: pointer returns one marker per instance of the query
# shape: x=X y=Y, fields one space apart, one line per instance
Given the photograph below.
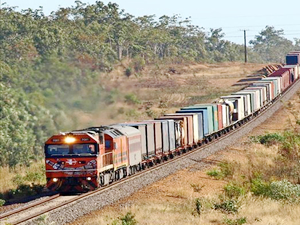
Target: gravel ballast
x=73 y=211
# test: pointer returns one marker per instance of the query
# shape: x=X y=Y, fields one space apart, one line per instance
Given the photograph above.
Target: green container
x=212 y=111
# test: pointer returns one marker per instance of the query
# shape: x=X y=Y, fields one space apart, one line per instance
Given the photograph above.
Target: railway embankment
x=122 y=190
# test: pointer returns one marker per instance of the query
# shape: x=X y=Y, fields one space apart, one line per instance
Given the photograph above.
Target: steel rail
x=235 y=129
x=18 y=210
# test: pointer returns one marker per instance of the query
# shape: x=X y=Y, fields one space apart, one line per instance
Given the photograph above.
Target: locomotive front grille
x=72 y=181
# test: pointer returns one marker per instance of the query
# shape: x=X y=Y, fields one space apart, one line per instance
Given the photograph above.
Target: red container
x=285 y=74
x=220 y=116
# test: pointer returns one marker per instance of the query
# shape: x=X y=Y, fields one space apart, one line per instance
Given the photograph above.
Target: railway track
x=63 y=209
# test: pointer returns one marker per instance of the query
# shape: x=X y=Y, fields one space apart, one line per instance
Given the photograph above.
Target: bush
x=226 y=169
x=234 y=191
x=132 y=99
x=268 y=139
x=132 y=113
x=215 y=173
x=198 y=205
x=139 y=63
x=260 y=187
x=238 y=221
x=2 y=202
x=284 y=190
x=128 y=71
x=290 y=146
x=227 y=206
x=128 y=219
x=278 y=190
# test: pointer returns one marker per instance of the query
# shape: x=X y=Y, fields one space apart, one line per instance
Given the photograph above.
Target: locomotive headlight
x=69 y=140
x=88 y=178
x=55 y=180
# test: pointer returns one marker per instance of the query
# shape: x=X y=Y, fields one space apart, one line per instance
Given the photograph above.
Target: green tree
x=271 y=45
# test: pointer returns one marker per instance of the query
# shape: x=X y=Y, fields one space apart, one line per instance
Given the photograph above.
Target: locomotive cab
x=71 y=161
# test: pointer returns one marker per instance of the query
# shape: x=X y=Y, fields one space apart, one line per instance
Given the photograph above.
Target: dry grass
x=261 y=211
x=6 y=179
x=172 y=200
x=160 y=90
x=34 y=174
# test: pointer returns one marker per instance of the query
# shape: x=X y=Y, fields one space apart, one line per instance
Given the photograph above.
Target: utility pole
x=245 y=43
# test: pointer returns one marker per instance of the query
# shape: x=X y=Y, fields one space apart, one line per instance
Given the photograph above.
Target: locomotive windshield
x=75 y=149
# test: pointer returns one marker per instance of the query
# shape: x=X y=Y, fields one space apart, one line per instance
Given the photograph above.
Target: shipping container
x=175 y=134
x=284 y=73
x=229 y=110
x=183 y=130
x=198 y=124
x=171 y=135
x=133 y=142
x=271 y=87
x=294 y=70
x=220 y=116
x=276 y=82
x=269 y=90
x=214 y=109
x=147 y=131
x=157 y=125
x=292 y=59
x=225 y=115
x=190 y=127
x=247 y=102
x=262 y=94
x=208 y=117
x=252 y=97
x=165 y=136
x=209 y=112
x=238 y=103
x=202 y=113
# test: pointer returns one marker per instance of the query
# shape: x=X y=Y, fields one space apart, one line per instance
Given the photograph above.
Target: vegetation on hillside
x=51 y=65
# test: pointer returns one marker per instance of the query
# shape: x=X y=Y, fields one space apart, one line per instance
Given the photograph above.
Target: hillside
x=157 y=90
x=89 y=65
x=233 y=187
x=58 y=71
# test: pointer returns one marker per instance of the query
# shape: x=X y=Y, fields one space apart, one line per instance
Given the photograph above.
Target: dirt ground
x=193 y=182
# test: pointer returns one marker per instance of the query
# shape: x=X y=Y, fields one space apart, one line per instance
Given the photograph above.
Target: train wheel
x=117 y=175
x=121 y=174
x=101 y=180
x=139 y=167
x=144 y=166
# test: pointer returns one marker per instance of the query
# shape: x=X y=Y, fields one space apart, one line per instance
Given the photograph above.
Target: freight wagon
x=83 y=160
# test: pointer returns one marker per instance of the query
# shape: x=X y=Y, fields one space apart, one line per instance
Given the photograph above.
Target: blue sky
x=233 y=16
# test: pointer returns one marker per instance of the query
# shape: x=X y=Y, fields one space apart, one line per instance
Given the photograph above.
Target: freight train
x=83 y=160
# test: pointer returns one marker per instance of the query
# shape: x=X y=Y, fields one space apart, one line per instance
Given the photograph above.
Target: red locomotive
x=83 y=160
